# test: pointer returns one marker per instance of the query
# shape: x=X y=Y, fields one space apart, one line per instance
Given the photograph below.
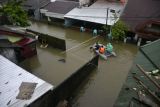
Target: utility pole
x=107 y=17
x=108 y=30
x=107 y=23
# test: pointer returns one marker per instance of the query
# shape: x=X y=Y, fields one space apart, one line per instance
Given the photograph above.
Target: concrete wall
x=53 y=41
x=67 y=87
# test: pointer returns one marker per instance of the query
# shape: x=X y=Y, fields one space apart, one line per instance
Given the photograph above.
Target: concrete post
x=139 y=42
x=136 y=37
x=125 y=40
x=48 y=19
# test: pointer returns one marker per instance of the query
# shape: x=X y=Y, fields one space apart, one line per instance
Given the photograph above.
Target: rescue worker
x=97 y=46
x=102 y=50
x=95 y=32
x=109 y=48
x=82 y=29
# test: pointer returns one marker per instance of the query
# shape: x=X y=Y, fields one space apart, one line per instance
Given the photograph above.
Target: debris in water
x=62 y=60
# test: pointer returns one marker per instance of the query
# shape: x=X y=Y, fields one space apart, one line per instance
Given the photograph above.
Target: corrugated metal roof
x=138 y=11
x=148 y=58
x=97 y=12
x=61 y=7
x=11 y=77
x=152 y=51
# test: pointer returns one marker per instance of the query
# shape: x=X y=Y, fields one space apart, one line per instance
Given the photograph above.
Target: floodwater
x=101 y=88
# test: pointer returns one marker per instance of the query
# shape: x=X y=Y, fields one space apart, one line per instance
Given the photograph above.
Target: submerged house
x=143 y=17
x=23 y=45
x=57 y=9
x=138 y=90
x=101 y=12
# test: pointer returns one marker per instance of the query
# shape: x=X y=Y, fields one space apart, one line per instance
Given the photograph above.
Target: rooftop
x=139 y=11
x=97 y=12
x=10 y=80
x=58 y=9
x=148 y=58
x=62 y=7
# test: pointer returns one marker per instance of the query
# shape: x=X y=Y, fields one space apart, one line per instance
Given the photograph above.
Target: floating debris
x=62 y=60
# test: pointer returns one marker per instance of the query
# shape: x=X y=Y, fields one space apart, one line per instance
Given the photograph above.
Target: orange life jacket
x=102 y=50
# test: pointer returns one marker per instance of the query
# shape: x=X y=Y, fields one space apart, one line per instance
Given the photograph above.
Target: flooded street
x=102 y=86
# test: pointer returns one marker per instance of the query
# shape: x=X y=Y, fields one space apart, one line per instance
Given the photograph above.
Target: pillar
x=139 y=42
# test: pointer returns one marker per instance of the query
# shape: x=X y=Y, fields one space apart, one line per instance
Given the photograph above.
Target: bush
x=14 y=13
x=119 y=30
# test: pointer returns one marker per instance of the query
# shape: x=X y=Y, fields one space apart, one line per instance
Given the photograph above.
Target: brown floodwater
x=102 y=86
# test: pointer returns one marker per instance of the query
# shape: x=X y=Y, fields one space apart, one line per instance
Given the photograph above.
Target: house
x=100 y=12
x=149 y=30
x=12 y=76
x=138 y=13
x=21 y=44
x=134 y=92
x=57 y=9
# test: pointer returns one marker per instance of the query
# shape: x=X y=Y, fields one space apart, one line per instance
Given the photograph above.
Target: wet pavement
x=102 y=86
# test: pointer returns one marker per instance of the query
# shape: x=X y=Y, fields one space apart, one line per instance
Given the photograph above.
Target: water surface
x=102 y=86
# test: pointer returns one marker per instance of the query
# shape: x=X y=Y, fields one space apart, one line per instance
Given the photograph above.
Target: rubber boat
x=105 y=55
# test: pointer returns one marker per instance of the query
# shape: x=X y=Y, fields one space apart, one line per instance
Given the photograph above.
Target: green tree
x=12 y=13
x=119 y=30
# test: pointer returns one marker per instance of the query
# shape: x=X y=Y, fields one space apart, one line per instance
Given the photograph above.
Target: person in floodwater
x=95 y=32
x=97 y=46
x=109 y=48
x=102 y=50
x=82 y=29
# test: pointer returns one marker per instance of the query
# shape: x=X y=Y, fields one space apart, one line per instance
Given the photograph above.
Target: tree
x=119 y=30
x=12 y=13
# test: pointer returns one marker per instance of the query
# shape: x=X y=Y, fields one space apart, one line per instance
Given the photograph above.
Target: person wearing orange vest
x=101 y=50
